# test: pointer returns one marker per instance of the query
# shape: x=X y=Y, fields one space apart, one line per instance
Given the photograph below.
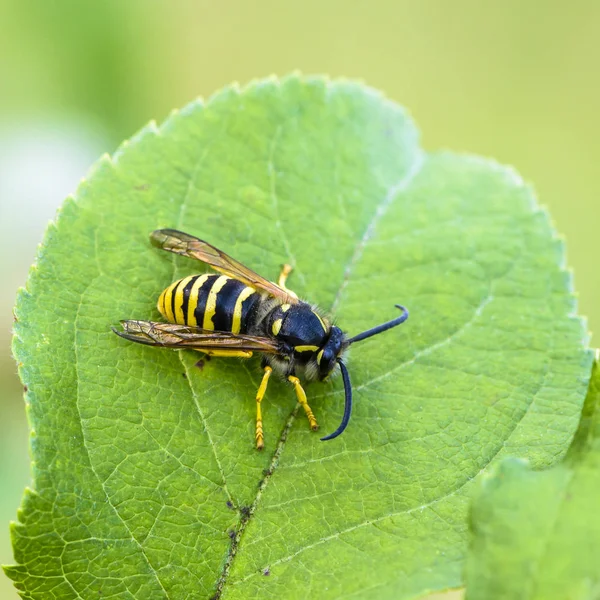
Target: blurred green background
x=518 y=80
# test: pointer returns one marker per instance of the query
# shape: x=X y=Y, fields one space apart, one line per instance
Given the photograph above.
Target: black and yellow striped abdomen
x=213 y=302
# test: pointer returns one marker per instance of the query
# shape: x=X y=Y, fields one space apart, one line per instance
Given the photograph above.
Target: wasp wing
x=192 y=247
x=184 y=336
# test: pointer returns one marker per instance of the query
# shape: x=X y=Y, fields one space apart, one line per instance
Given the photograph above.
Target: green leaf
x=139 y=455
x=536 y=534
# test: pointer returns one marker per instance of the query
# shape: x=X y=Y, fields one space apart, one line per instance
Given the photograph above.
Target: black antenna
x=380 y=328
x=347 y=403
x=347 y=385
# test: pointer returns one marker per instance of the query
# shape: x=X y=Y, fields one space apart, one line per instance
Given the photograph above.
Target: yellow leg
x=301 y=394
x=285 y=271
x=262 y=388
x=228 y=353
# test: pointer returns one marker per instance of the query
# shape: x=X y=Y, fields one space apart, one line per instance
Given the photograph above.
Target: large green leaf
x=537 y=533
x=146 y=480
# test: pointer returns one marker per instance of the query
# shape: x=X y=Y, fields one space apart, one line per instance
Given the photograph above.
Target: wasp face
x=329 y=353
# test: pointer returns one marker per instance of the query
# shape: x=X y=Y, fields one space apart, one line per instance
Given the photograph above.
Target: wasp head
x=332 y=350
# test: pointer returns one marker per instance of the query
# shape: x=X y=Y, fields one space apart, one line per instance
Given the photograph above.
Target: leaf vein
x=392 y=192
x=275 y=202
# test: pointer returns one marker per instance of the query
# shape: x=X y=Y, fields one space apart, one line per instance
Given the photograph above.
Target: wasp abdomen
x=212 y=302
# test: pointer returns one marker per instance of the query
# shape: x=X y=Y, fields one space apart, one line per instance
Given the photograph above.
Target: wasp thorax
x=299 y=327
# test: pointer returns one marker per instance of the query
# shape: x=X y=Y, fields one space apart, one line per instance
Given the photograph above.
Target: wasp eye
x=327 y=356
x=326 y=363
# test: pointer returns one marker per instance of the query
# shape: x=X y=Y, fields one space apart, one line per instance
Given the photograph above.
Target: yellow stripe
x=285 y=307
x=193 y=302
x=321 y=320
x=319 y=357
x=161 y=304
x=168 y=302
x=306 y=348
x=236 y=323
x=179 y=316
x=276 y=327
x=211 y=302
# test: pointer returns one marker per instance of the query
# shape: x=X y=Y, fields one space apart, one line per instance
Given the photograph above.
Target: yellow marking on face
x=236 y=323
x=211 y=302
x=306 y=348
x=285 y=307
x=319 y=357
x=179 y=316
x=276 y=327
x=193 y=302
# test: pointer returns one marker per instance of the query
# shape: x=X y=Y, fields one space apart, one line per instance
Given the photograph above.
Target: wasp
x=237 y=312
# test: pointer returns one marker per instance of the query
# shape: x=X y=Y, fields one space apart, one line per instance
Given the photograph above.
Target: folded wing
x=170 y=335
x=192 y=247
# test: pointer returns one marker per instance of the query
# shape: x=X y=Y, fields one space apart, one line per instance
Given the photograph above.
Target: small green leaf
x=536 y=534
x=146 y=482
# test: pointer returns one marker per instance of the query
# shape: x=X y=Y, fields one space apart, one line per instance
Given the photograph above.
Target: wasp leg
x=301 y=395
x=227 y=353
x=262 y=388
x=285 y=271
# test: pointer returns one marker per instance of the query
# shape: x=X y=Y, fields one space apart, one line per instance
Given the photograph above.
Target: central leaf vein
x=380 y=210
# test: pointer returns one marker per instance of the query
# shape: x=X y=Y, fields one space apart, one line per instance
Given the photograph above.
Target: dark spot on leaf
x=25 y=388
x=231 y=534
x=252 y=194
x=184 y=375
x=207 y=358
x=245 y=510
x=267 y=572
x=266 y=474
x=143 y=187
x=200 y=364
x=229 y=504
